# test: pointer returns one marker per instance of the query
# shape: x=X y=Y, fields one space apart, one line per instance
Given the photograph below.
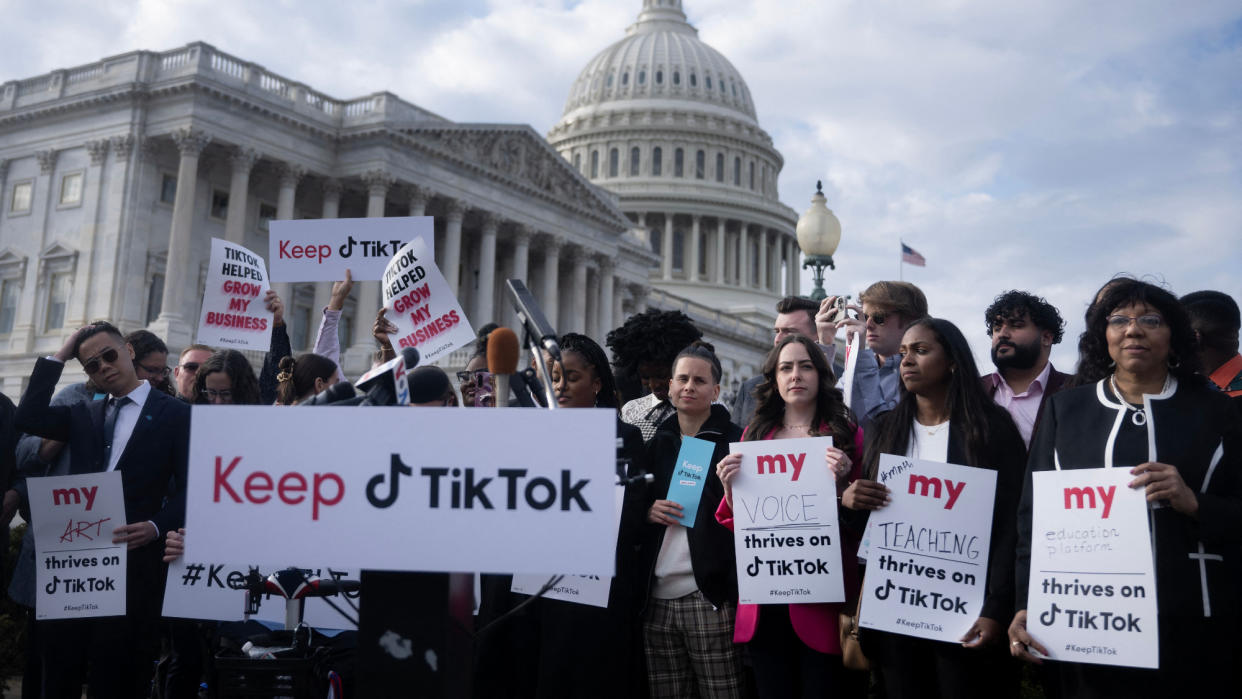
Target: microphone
x=532 y=318
x=386 y=384
x=502 y=360
x=336 y=393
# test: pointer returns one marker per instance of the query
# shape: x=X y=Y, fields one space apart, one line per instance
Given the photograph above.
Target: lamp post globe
x=819 y=233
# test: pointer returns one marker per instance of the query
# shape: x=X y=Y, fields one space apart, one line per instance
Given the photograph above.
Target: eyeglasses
x=878 y=317
x=158 y=372
x=92 y=365
x=1150 y=321
x=213 y=394
x=189 y=366
x=475 y=378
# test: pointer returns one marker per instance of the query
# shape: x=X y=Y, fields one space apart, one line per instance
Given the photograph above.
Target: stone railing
x=205 y=62
x=657 y=298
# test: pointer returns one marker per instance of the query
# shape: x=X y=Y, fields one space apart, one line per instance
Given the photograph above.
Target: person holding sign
x=144 y=434
x=688 y=623
x=943 y=414
x=559 y=648
x=226 y=378
x=1144 y=408
x=796 y=648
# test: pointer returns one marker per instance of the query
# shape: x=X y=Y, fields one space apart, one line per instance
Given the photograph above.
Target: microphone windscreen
x=409 y=357
x=502 y=352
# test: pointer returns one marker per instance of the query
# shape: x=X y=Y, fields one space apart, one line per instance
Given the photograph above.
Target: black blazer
x=153 y=465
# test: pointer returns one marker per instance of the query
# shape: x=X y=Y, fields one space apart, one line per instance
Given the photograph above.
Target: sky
x=1043 y=146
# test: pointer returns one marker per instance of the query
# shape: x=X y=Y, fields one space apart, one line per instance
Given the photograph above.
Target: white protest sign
x=320 y=250
x=80 y=572
x=1092 y=595
x=929 y=549
x=592 y=590
x=419 y=302
x=846 y=384
x=234 y=315
x=218 y=592
x=785 y=529
x=427 y=489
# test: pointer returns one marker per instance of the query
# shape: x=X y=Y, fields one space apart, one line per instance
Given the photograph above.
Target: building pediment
x=519 y=156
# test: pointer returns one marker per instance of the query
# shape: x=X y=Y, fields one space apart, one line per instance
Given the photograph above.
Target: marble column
x=485 y=309
x=76 y=313
x=331 y=209
x=730 y=253
x=743 y=259
x=21 y=340
x=289 y=176
x=797 y=266
x=666 y=249
x=618 y=306
x=243 y=160
x=418 y=200
x=590 y=324
x=719 y=266
x=763 y=258
x=576 y=318
x=692 y=265
x=521 y=271
x=358 y=357
x=173 y=325
x=550 y=300
x=607 y=316
x=455 y=212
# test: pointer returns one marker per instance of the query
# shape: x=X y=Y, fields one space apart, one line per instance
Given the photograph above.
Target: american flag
x=910 y=257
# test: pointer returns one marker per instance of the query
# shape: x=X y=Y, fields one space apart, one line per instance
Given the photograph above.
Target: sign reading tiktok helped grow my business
x=785 y=529
x=1092 y=595
x=321 y=249
x=234 y=314
x=80 y=572
x=928 y=563
x=419 y=302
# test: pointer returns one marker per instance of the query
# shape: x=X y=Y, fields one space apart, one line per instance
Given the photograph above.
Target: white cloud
x=1044 y=146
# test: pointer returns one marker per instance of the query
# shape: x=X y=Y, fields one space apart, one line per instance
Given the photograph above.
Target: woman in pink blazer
x=795 y=649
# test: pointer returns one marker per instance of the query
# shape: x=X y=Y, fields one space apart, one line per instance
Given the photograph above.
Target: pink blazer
x=816 y=624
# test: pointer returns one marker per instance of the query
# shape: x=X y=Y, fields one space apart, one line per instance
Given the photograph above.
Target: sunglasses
x=190 y=366
x=93 y=365
x=878 y=318
x=476 y=377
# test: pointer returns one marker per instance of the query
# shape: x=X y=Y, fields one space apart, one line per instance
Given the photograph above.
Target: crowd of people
x=1156 y=390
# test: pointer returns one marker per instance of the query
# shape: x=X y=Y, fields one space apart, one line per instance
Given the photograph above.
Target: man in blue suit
x=144 y=434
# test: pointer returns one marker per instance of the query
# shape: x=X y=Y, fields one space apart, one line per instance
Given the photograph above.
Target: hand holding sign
x=134 y=535
x=273 y=304
x=340 y=292
x=1164 y=482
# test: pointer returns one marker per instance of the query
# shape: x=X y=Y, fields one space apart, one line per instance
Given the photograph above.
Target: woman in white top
x=943 y=414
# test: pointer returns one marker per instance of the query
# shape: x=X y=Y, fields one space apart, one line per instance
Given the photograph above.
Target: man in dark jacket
x=1023 y=328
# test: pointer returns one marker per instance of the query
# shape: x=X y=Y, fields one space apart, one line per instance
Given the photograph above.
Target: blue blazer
x=153 y=465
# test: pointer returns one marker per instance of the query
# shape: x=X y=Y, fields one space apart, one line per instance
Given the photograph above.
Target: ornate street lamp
x=819 y=233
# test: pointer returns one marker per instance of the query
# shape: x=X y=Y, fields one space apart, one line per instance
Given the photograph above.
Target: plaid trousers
x=690 y=651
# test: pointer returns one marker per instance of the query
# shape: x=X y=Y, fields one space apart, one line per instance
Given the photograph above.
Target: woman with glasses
x=795 y=649
x=1145 y=409
x=226 y=378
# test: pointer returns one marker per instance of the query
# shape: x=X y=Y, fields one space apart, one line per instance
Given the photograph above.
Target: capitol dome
x=662 y=59
x=667 y=124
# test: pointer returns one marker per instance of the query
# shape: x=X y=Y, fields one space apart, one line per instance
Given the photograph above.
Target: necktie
x=114 y=409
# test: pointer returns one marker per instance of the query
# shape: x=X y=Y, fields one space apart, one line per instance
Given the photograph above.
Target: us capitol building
x=657 y=188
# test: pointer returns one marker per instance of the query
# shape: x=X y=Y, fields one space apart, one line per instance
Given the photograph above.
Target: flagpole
x=901 y=260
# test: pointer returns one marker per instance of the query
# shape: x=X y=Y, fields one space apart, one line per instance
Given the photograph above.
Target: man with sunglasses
x=192 y=358
x=148 y=444
x=887 y=310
